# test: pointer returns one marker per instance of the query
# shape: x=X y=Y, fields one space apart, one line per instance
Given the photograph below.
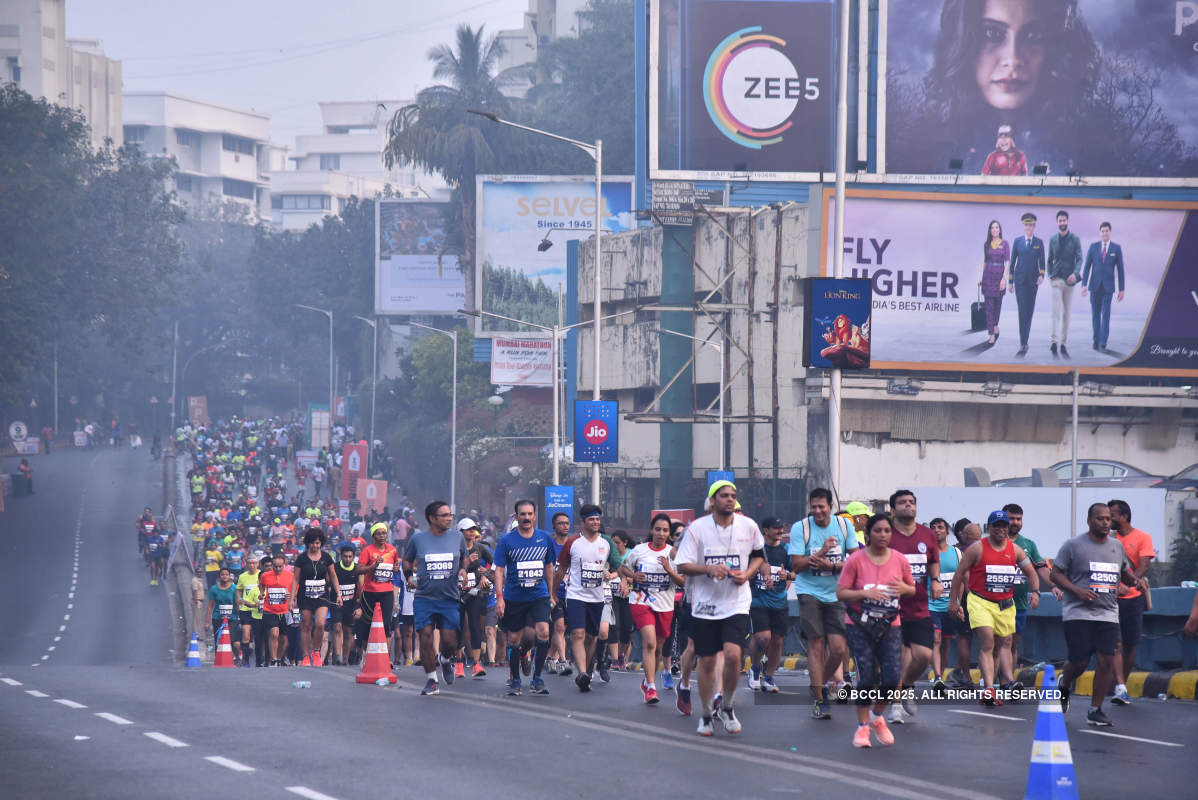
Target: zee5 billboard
x=743 y=86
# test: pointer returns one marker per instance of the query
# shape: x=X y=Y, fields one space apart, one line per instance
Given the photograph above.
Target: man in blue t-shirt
x=437 y=557
x=818 y=547
x=768 y=612
x=524 y=562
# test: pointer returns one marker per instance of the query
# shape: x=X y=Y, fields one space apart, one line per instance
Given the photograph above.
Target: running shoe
x=683 y=701
x=848 y=687
x=716 y=702
x=728 y=717
x=861 y=737
x=768 y=686
x=564 y=669
x=1121 y=697
x=317 y=661
x=705 y=727
x=1065 y=699
x=447 y=670
x=307 y=662
x=651 y=697
x=526 y=664
x=1098 y=719
x=537 y=686
x=621 y=664
x=431 y=687
x=513 y=687
x=988 y=698
x=479 y=671
x=895 y=716
x=754 y=678
x=909 y=707
x=604 y=673
x=819 y=710
x=583 y=682
x=939 y=685
x=551 y=666
x=154 y=582
x=667 y=680
x=878 y=725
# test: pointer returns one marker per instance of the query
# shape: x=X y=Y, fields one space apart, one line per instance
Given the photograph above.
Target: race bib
x=384 y=572
x=529 y=573
x=656 y=579
x=314 y=589
x=347 y=591
x=946 y=578
x=224 y=610
x=999 y=578
x=211 y=561
x=834 y=555
x=592 y=574
x=276 y=595
x=919 y=565
x=729 y=560
x=1104 y=577
x=872 y=609
x=471 y=580
x=438 y=566
x=153 y=546
x=776 y=575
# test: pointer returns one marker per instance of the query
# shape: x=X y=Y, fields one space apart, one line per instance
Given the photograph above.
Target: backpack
x=849 y=535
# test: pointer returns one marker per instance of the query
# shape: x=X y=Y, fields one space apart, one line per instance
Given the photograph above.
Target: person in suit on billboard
x=1025 y=275
x=1064 y=271
x=996 y=254
x=1104 y=261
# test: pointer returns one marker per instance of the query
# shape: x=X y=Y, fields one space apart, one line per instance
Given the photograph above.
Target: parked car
x=1187 y=479
x=1094 y=472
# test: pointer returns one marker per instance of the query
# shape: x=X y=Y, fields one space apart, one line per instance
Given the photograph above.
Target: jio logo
x=595 y=432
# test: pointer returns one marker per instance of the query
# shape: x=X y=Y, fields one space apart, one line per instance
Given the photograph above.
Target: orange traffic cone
x=376 y=665
x=224 y=649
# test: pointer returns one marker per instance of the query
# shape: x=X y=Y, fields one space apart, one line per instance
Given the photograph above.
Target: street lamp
x=186 y=364
x=595 y=151
x=557 y=331
x=719 y=348
x=453 y=416
x=374 y=382
x=328 y=314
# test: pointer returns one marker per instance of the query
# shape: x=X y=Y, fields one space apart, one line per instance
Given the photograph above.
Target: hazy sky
x=280 y=57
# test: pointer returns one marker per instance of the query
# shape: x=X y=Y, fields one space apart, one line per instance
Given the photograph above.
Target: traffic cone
x=193 y=653
x=377 y=663
x=1050 y=775
x=224 y=649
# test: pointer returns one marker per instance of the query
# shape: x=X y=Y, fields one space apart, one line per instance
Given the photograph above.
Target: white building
x=344 y=160
x=36 y=55
x=544 y=21
x=224 y=154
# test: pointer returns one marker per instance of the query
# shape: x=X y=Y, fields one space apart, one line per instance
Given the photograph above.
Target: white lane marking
x=43 y=659
x=985 y=714
x=35 y=693
x=311 y=794
x=1133 y=738
x=62 y=701
x=229 y=763
x=50 y=649
x=62 y=628
x=58 y=638
x=113 y=718
x=166 y=740
x=70 y=606
x=11 y=682
x=82 y=738
x=66 y=618
x=71 y=595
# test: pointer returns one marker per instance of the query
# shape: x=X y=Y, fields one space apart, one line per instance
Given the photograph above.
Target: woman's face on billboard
x=1012 y=53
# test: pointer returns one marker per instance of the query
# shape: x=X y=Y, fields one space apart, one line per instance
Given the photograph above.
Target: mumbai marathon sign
x=942 y=284
x=414 y=271
x=521 y=362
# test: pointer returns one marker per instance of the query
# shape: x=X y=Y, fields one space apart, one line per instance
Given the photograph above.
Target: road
x=182 y=733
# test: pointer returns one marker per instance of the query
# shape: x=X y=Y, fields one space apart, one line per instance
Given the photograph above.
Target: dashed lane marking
x=164 y=739
x=35 y=693
x=11 y=682
x=311 y=794
x=985 y=714
x=228 y=763
x=1133 y=738
x=62 y=701
x=113 y=718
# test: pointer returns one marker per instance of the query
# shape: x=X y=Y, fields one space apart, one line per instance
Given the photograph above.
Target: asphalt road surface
x=109 y=715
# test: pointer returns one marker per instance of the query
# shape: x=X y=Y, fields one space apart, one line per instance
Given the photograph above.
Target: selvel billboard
x=996 y=283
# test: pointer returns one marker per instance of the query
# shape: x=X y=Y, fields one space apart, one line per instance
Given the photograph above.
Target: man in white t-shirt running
x=720 y=552
x=587 y=559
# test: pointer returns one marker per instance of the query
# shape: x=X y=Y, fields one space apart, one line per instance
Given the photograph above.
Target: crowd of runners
x=880 y=596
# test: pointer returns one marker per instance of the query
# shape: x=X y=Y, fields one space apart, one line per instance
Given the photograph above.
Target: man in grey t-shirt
x=436 y=556
x=1088 y=569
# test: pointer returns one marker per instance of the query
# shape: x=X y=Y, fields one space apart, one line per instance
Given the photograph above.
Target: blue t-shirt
x=779 y=563
x=524 y=560
x=438 y=560
x=557 y=551
x=821 y=584
x=949 y=559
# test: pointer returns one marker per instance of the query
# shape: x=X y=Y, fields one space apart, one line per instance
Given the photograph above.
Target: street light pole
x=842 y=115
x=453 y=416
x=595 y=151
x=328 y=314
x=374 y=382
x=719 y=349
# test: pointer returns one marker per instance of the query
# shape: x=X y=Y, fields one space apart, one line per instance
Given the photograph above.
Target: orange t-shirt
x=389 y=557
x=1138 y=546
x=276 y=589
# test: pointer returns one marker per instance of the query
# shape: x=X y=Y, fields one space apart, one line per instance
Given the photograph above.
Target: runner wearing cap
x=860 y=513
x=720 y=553
x=378 y=562
x=475 y=592
x=991 y=565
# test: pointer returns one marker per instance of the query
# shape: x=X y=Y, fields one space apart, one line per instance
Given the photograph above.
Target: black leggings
x=473 y=608
x=622 y=612
x=879 y=661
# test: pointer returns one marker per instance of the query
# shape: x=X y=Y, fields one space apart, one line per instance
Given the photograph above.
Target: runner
x=1140 y=553
x=962 y=675
x=769 y=611
x=1015 y=512
x=918 y=544
x=719 y=554
x=989 y=568
x=651 y=601
x=1088 y=569
x=377 y=564
x=872 y=585
x=475 y=592
x=315 y=582
x=222 y=597
x=523 y=601
x=248 y=615
x=585 y=559
x=559 y=662
x=817 y=549
x=157 y=552
x=345 y=617
x=938 y=608
x=437 y=558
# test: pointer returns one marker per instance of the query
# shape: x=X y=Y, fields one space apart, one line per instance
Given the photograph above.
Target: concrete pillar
x=677 y=289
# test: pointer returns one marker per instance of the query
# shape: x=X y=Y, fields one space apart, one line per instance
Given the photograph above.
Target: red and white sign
x=521 y=362
x=353 y=467
x=373 y=495
x=595 y=431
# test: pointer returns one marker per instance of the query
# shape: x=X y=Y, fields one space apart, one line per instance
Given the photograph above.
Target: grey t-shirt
x=1092 y=565
x=438 y=559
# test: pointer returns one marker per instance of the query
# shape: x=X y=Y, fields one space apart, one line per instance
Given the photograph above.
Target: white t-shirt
x=588 y=569
x=704 y=542
x=657 y=591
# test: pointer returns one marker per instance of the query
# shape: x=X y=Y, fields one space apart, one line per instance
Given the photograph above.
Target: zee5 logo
x=752 y=89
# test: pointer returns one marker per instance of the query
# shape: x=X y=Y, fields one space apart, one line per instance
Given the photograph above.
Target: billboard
x=372 y=494
x=1088 y=88
x=931 y=257
x=414 y=272
x=741 y=86
x=836 y=323
x=197 y=410
x=521 y=362
x=516 y=274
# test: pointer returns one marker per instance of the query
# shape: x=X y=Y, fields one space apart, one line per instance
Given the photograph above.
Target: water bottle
x=1189 y=584
x=382 y=682
x=302 y=684
x=1162 y=696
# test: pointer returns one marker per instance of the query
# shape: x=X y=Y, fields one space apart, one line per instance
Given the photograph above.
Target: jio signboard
x=596 y=431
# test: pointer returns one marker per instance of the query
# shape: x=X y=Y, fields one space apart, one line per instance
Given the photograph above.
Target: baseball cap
x=715 y=487
x=466 y=524
x=998 y=516
x=857 y=508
